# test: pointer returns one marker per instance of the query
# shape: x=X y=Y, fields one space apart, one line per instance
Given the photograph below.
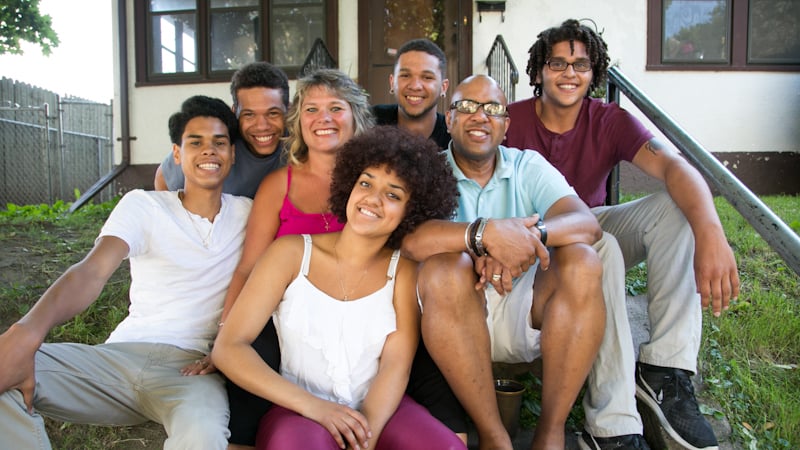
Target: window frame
x=144 y=47
x=738 y=43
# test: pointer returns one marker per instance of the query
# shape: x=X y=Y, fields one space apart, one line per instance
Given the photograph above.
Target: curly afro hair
x=414 y=159
x=571 y=30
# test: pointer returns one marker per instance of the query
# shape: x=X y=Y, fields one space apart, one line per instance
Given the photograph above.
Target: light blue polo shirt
x=523 y=184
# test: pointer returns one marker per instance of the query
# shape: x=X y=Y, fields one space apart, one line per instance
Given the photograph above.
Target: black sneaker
x=628 y=441
x=670 y=394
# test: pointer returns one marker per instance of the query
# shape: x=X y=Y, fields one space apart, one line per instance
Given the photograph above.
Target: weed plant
x=749 y=356
x=748 y=359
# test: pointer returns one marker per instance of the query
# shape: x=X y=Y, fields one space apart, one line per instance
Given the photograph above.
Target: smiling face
x=377 y=203
x=326 y=120
x=261 y=114
x=417 y=83
x=476 y=136
x=568 y=88
x=206 y=153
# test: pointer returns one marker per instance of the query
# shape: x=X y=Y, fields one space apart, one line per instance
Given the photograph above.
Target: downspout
x=124 y=113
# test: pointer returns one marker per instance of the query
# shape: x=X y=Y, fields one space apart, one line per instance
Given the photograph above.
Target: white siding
x=723 y=111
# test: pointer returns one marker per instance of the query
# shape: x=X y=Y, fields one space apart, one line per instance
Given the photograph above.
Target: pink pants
x=411 y=427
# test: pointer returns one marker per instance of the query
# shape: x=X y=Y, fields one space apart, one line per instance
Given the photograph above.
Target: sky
x=82 y=64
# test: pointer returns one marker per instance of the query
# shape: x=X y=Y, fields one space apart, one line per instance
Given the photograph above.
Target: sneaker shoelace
x=678 y=386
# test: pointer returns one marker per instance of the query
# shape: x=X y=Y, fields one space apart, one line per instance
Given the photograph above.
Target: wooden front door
x=385 y=25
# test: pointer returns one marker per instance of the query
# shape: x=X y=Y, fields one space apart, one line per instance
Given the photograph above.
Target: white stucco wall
x=723 y=111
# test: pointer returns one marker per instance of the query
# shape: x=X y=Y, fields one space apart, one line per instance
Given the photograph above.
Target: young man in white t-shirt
x=183 y=247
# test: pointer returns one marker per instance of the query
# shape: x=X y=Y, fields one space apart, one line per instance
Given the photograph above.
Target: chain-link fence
x=54 y=150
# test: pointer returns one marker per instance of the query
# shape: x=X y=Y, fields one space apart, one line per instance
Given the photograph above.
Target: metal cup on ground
x=509 y=401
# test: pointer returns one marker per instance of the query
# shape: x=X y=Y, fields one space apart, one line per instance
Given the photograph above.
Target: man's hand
x=715 y=271
x=18 y=347
x=490 y=271
x=202 y=366
x=514 y=244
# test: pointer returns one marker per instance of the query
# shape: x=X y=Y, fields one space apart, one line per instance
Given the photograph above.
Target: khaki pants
x=654 y=230
x=119 y=384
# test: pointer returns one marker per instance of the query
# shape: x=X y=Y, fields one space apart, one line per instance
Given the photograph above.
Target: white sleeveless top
x=329 y=347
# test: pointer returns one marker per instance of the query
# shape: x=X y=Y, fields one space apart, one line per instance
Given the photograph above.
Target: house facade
x=727 y=71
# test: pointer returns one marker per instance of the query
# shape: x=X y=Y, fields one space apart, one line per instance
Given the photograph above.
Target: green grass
x=749 y=356
x=39 y=242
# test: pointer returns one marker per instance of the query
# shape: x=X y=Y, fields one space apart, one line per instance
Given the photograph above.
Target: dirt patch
x=32 y=257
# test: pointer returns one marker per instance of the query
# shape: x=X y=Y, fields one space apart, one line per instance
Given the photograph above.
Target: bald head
x=480 y=83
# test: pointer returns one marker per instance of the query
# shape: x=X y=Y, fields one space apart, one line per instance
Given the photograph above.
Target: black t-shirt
x=387 y=115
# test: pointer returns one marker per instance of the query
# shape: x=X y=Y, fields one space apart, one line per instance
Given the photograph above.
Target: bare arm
x=390 y=383
x=514 y=242
x=510 y=241
x=262 y=225
x=159 y=183
x=569 y=221
x=71 y=294
x=235 y=356
x=715 y=269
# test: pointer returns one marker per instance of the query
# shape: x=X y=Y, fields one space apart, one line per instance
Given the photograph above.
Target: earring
x=442 y=95
x=391 y=91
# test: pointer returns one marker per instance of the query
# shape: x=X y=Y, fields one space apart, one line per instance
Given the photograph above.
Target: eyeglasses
x=578 y=66
x=492 y=109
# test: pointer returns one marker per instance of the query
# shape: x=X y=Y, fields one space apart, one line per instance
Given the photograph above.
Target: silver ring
x=496 y=277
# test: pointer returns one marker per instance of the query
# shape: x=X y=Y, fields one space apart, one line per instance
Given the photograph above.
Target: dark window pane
x=696 y=31
x=293 y=29
x=174 y=43
x=296 y=2
x=172 y=5
x=232 y=3
x=774 y=32
x=233 y=39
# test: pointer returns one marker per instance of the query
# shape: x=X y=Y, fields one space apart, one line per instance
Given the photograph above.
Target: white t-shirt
x=177 y=283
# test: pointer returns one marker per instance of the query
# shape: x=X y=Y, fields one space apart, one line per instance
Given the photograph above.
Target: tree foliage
x=20 y=20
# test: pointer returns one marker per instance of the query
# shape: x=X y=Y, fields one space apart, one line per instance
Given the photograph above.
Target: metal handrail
x=318 y=58
x=502 y=68
x=778 y=235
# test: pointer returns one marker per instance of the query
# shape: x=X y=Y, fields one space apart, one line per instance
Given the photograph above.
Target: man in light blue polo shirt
x=489 y=287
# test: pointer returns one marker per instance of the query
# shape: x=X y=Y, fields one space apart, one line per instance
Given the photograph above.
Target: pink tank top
x=294 y=221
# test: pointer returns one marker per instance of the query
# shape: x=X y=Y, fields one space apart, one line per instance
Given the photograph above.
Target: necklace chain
x=327 y=224
x=205 y=240
x=345 y=295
